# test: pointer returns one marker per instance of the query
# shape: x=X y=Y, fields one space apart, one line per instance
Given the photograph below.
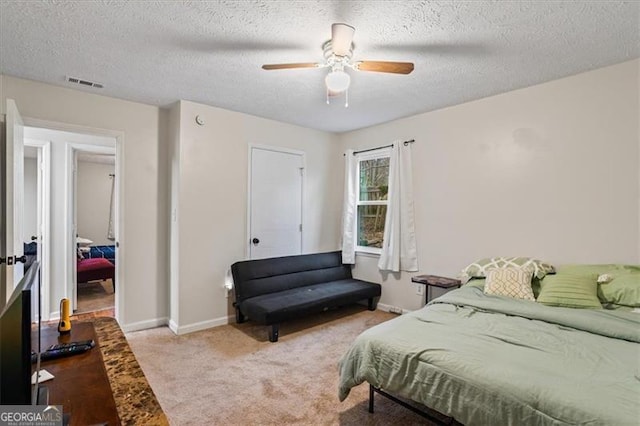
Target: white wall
x=550 y=171
x=30 y=220
x=564 y=155
x=94 y=200
x=210 y=165
x=143 y=284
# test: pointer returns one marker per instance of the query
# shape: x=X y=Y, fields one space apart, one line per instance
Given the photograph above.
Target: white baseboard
x=173 y=326
x=143 y=325
x=197 y=326
x=391 y=308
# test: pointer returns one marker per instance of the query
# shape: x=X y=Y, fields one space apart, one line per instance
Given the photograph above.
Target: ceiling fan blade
x=290 y=66
x=341 y=38
x=383 y=66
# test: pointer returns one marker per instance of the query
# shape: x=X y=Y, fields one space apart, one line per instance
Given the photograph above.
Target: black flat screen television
x=19 y=331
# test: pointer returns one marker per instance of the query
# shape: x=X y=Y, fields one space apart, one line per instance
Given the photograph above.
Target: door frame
x=44 y=201
x=119 y=137
x=302 y=154
x=11 y=271
x=71 y=210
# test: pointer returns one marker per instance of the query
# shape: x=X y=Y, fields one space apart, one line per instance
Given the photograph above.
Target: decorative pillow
x=571 y=291
x=623 y=289
x=589 y=269
x=479 y=283
x=479 y=269
x=510 y=282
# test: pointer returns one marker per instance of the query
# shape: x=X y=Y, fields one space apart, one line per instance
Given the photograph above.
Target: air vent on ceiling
x=84 y=82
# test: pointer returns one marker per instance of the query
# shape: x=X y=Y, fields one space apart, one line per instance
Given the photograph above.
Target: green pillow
x=586 y=269
x=476 y=282
x=571 y=291
x=624 y=289
x=479 y=268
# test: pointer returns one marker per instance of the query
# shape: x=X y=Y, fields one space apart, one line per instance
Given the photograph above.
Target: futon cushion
x=275 y=307
x=253 y=278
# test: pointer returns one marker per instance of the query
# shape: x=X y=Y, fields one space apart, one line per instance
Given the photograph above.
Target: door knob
x=255 y=241
x=34 y=238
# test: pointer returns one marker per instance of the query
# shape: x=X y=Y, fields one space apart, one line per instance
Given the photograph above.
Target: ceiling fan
x=338 y=54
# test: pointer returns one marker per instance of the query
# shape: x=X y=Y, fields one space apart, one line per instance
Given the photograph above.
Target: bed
x=484 y=359
x=95 y=252
x=96 y=269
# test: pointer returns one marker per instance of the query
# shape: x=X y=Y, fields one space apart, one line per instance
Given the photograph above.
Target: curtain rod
x=405 y=143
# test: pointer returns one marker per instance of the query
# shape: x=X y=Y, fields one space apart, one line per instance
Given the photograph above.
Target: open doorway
x=68 y=151
x=96 y=224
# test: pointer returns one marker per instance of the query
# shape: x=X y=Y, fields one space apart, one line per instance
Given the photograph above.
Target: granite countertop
x=135 y=400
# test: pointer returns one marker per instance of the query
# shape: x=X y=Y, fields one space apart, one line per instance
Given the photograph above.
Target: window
x=372 y=199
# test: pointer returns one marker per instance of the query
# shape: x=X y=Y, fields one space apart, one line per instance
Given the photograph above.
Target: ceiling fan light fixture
x=337 y=81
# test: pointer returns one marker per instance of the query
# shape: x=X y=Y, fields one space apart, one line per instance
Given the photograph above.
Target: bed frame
x=421 y=412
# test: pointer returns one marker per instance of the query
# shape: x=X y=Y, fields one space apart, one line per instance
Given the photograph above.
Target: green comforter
x=490 y=360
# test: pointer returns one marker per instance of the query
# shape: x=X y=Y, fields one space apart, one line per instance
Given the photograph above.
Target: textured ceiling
x=157 y=52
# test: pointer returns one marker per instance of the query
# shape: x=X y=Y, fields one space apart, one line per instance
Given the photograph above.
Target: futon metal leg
x=371 y=308
x=273 y=333
x=371 y=393
x=239 y=316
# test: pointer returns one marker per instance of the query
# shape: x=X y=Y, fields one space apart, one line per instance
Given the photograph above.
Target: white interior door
x=275 y=203
x=13 y=165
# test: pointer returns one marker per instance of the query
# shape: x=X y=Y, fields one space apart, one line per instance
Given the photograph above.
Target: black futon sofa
x=270 y=291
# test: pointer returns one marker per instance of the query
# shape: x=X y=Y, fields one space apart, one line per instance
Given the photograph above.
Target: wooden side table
x=435 y=281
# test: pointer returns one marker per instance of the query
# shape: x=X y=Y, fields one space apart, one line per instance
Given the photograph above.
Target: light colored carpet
x=95 y=296
x=233 y=375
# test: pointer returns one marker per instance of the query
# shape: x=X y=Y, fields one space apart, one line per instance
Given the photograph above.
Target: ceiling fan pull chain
x=346 y=98
x=328 y=103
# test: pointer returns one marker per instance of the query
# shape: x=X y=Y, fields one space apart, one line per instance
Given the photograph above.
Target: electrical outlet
x=395 y=310
x=420 y=289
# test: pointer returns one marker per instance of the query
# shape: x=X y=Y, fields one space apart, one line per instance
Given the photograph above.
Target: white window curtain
x=399 y=243
x=349 y=208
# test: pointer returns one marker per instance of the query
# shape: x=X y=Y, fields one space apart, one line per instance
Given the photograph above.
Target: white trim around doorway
x=44 y=161
x=120 y=204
